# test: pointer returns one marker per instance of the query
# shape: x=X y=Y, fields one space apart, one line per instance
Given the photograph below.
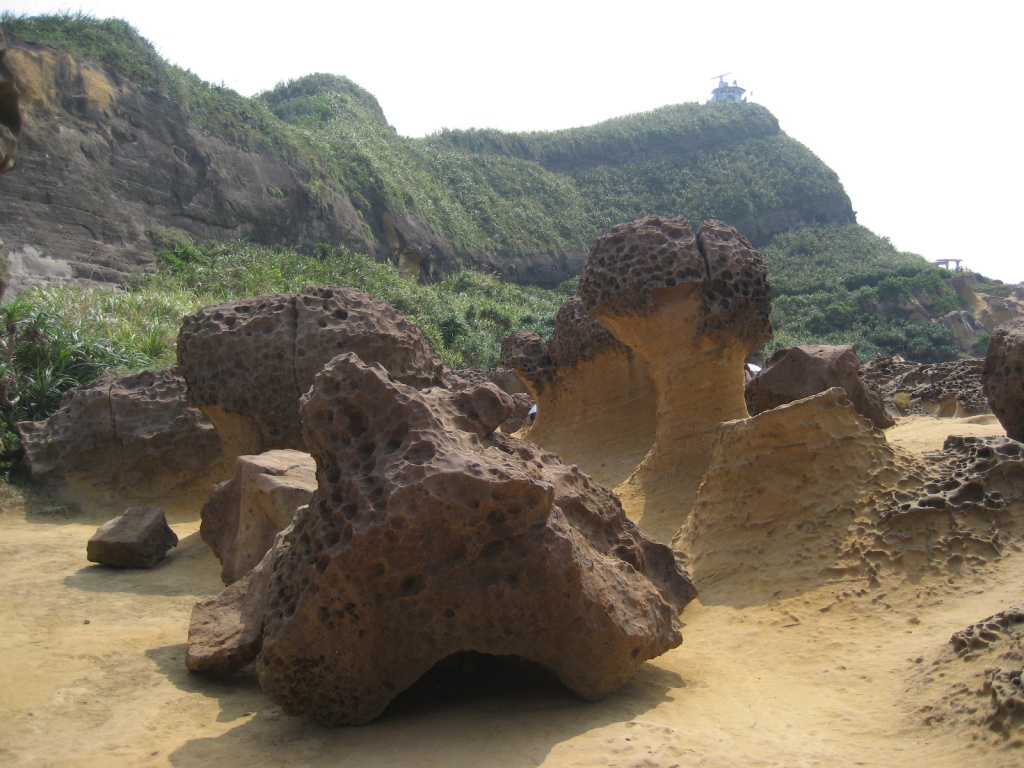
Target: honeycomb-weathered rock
x=693 y=308
x=595 y=398
x=133 y=439
x=431 y=535
x=793 y=373
x=1002 y=377
x=985 y=632
x=10 y=113
x=139 y=538
x=244 y=514
x=951 y=389
x=248 y=362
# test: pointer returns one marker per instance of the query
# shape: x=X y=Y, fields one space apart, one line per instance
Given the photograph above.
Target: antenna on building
x=721 y=78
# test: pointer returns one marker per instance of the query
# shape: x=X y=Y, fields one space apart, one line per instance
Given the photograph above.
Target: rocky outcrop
x=133 y=439
x=595 y=398
x=140 y=538
x=244 y=514
x=793 y=373
x=429 y=535
x=792 y=473
x=248 y=362
x=945 y=390
x=693 y=307
x=1002 y=377
x=10 y=113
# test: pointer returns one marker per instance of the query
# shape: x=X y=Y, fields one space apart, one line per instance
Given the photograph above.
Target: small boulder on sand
x=139 y=538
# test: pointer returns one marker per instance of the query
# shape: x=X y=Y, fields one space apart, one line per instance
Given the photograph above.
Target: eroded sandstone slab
x=244 y=514
x=140 y=538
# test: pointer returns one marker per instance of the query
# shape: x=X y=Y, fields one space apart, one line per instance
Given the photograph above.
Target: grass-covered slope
x=509 y=194
x=847 y=285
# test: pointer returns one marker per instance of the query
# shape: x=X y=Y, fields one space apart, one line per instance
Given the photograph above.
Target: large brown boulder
x=693 y=307
x=133 y=439
x=1002 y=377
x=431 y=535
x=793 y=373
x=244 y=514
x=595 y=398
x=248 y=362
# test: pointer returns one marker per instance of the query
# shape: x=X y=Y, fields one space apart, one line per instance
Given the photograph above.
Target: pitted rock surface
x=950 y=389
x=578 y=337
x=1003 y=377
x=793 y=373
x=630 y=263
x=139 y=538
x=248 y=362
x=528 y=355
x=430 y=535
x=134 y=437
x=10 y=113
x=244 y=514
x=987 y=631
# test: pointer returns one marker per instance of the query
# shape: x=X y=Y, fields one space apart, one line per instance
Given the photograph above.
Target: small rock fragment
x=139 y=538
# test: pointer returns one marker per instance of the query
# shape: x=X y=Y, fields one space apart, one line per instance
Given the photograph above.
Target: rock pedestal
x=693 y=307
x=595 y=398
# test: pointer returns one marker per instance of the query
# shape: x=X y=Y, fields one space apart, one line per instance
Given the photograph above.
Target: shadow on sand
x=469 y=710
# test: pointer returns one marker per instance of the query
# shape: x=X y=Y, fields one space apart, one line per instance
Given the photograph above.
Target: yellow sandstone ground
x=846 y=673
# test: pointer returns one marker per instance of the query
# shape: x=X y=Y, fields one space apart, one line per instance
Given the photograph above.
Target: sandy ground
x=849 y=673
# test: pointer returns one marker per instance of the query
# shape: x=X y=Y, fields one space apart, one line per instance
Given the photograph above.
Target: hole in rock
x=469 y=676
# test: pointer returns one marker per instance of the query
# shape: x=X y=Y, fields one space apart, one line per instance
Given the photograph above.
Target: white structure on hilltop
x=726 y=92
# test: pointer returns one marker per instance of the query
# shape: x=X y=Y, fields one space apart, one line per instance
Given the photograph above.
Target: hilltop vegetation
x=511 y=194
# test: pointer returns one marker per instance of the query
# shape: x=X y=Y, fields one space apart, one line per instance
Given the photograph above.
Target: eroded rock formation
x=1002 y=377
x=428 y=535
x=133 y=439
x=791 y=473
x=595 y=398
x=244 y=514
x=248 y=362
x=793 y=373
x=945 y=390
x=693 y=307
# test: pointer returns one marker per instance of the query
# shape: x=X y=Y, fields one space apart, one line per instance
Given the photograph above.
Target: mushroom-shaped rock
x=248 y=362
x=131 y=439
x=139 y=538
x=1002 y=377
x=595 y=398
x=429 y=535
x=793 y=373
x=244 y=514
x=693 y=307
x=10 y=113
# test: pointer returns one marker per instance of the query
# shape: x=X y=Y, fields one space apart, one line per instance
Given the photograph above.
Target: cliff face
x=106 y=162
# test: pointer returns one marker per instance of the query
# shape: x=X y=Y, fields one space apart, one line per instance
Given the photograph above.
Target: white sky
x=910 y=102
